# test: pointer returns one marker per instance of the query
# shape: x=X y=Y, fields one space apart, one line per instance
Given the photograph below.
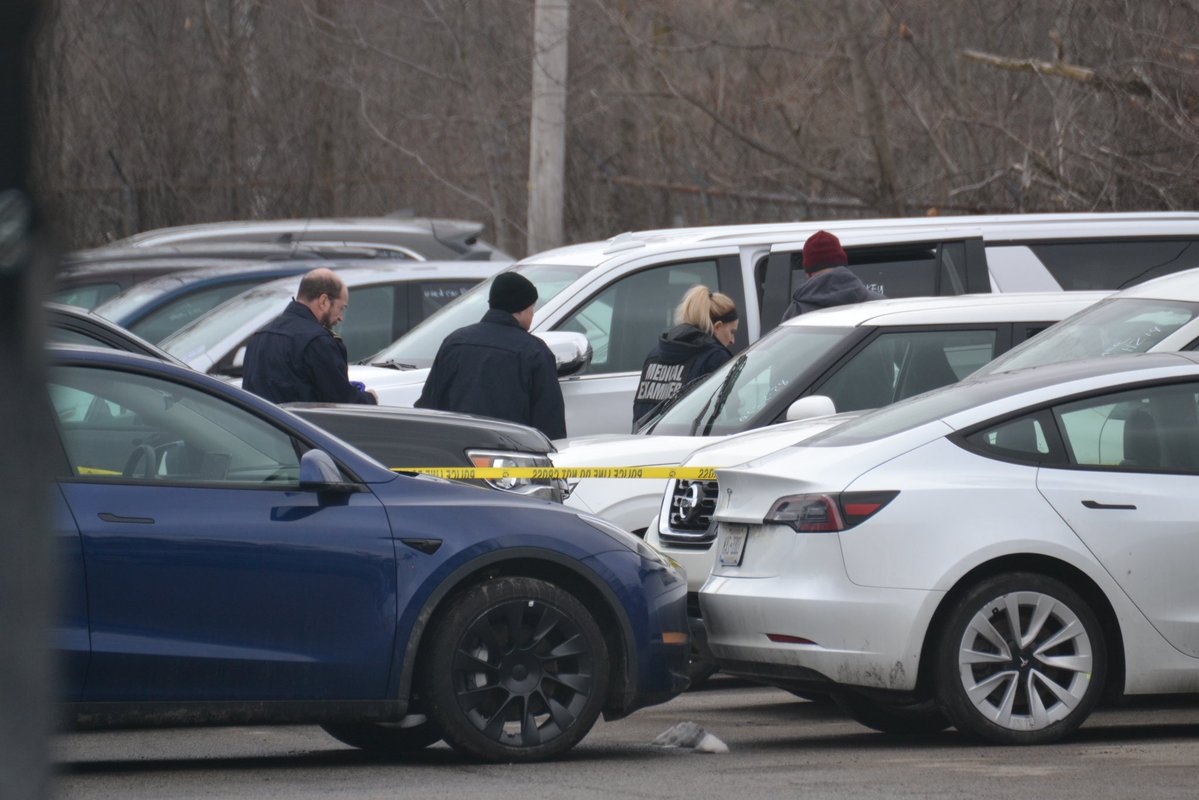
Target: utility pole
x=547 y=125
x=27 y=582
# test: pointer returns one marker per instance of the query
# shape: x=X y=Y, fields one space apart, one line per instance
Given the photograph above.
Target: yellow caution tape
x=550 y=473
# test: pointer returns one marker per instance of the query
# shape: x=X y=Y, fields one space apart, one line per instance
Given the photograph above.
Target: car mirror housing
x=814 y=405
x=318 y=473
x=571 y=350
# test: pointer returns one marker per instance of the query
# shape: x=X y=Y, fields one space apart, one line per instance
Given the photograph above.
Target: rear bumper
x=826 y=629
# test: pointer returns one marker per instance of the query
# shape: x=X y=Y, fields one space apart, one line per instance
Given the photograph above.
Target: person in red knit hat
x=829 y=283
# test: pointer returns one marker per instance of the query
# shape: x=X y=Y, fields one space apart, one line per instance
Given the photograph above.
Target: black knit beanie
x=512 y=292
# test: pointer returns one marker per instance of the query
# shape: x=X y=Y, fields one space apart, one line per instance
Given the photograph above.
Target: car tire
x=517 y=670
x=384 y=738
x=903 y=719
x=1021 y=660
x=698 y=673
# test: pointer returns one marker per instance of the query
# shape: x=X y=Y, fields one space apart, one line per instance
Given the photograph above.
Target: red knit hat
x=823 y=250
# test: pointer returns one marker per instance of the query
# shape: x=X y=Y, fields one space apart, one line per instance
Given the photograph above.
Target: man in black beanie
x=496 y=368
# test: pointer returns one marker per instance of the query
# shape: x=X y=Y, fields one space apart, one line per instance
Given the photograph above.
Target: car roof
x=314 y=226
x=354 y=275
x=992 y=227
x=964 y=308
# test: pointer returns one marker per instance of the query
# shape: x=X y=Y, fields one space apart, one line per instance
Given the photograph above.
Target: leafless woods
x=679 y=111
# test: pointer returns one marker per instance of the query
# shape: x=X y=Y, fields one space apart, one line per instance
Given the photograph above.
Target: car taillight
x=823 y=513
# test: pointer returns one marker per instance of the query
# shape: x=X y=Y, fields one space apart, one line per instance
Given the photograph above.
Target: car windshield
x=418 y=347
x=1112 y=327
x=203 y=334
x=732 y=396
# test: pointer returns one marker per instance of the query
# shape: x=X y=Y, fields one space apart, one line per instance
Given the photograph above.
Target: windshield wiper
x=721 y=396
x=391 y=363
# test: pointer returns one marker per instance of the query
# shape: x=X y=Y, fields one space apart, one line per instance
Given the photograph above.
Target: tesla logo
x=688 y=500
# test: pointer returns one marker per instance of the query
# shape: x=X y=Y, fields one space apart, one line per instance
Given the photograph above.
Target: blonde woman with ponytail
x=705 y=325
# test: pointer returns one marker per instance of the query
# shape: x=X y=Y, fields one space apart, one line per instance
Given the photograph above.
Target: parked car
x=69 y=325
x=997 y=554
x=1161 y=315
x=91 y=277
x=225 y=562
x=384 y=303
x=418 y=437
x=847 y=358
x=415 y=237
x=621 y=292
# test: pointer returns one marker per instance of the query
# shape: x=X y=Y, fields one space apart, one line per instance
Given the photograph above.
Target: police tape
x=551 y=473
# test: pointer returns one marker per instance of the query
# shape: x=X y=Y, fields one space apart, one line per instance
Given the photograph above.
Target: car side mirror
x=814 y=405
x=318 y=473
x=571 y=350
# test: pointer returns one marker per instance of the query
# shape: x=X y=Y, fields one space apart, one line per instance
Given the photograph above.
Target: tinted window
x=914 y=271
x=896 y=365
x=1114 y=265
x=369 y=323
x=624 y=320
x=135 y=427
x=1030 y=439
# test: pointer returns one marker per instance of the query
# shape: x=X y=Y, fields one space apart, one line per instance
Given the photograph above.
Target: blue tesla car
x=226 y=562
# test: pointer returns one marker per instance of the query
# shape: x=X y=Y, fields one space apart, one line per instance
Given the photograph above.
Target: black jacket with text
x=495 y=368
x=683 y=354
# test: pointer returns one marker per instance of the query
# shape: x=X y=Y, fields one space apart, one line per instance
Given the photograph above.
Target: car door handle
x=1109 y=506
x=107 y=517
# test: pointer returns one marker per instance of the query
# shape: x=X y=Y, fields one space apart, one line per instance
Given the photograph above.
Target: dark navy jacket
x=294 y=358
x=683 y=354
x=495 y=368
x=837 y=287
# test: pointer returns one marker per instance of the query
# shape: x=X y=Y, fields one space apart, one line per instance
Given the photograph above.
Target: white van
x=621 y=293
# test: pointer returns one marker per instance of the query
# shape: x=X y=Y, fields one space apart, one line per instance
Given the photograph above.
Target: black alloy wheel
x=517 y=670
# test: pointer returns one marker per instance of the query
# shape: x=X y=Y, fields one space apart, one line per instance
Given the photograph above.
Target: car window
x=624 y=320
x=1114 y=265
x=1028 y=438
x=419 y=346
x=132 y=427
x=86 y=296
x=900 y=364
x=174 y=314
x=369 y=323
x=1149 y=428
x=433 y=295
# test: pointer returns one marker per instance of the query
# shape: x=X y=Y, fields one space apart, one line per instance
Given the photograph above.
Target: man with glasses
x=296 y=357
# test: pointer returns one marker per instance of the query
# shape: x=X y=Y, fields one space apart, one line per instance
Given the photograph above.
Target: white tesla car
x=995 y=555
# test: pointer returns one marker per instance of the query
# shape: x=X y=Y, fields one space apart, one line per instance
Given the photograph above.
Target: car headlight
x=545 y=488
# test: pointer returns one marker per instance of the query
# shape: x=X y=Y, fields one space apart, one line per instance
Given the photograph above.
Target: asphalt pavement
x=779 y=747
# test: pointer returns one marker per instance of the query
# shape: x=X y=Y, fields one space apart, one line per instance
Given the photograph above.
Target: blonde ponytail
x=701 y=307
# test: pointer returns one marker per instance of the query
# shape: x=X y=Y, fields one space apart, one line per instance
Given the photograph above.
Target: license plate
x=732 y=544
